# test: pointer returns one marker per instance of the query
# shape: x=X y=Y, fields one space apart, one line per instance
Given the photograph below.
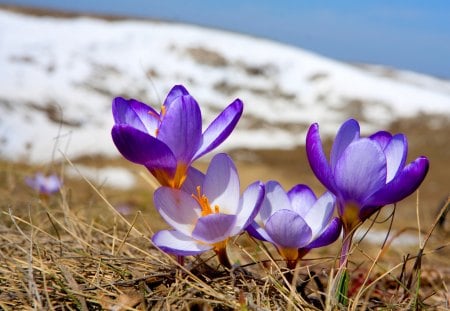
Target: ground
x=74 y=250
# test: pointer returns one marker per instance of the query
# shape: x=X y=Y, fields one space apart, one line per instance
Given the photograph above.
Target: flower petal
x=194 y=179
x=317 y=158
x=43 y=184
x=214 y=228
x=320 y=214
x=220 y=128
x=360 y=171
x=178 y=208
x=288 y=229
x=135 y=114
x=181 y=128
x=275 y=199
x=52 y=184
x=174 y=93
x=348 y=133
x=329 y=234
x=141 y=148
x=258 y=232
x=382 y=138
x=396 y=152
x=249 y=206
x=221 y=185
x=405 y=183
x=174 y=242
x=302 y=198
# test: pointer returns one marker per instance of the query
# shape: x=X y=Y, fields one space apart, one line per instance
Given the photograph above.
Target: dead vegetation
x=76 y=251
x=56 y=255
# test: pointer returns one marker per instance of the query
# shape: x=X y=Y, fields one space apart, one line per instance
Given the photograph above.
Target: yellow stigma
x=204 y=203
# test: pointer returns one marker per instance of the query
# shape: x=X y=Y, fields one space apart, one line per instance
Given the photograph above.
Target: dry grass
x=75 y=251
x=55 y=255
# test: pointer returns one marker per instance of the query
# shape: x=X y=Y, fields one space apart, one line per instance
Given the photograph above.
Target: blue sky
x=412 y=34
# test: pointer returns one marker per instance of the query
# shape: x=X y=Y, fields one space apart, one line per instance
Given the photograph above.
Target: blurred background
x=292 y=63
x=412 y=35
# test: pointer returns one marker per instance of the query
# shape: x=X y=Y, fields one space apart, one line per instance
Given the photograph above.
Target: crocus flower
x=167 y=143
x=207 y=211
x=45 y=185
x=296 y=221
x=364 y=173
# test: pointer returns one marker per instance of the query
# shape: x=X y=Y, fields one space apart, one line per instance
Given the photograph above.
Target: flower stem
x=342 y=275
x=223 y=257
x=345 y=250
x=291 y=265
x=180 y=260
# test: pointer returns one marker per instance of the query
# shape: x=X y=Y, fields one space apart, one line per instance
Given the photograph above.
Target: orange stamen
x=151 y=112
x=204 y=203
x=159 y=117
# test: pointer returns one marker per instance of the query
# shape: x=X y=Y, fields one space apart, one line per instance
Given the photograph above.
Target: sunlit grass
x=76 y=251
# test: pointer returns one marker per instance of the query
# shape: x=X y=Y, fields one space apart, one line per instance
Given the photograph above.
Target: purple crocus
x=296 y=221
x=45 y=185
x=364 y=173
x=167 y=143
x=207 y=211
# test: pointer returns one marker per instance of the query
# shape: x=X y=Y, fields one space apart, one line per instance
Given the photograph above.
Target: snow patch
x=57 y=85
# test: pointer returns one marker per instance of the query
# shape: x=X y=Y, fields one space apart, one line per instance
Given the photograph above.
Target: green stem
x=342 y=287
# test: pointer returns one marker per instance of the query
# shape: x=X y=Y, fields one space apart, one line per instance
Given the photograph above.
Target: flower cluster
x=206 y=209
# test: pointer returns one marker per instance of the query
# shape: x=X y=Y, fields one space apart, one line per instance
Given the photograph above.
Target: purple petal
x=220 y=128
x=320 y=214
x=382 y=138
x=302 y=198
x=329 y=235
x=214 y=228
x=360 y=171
x=135 y=114
x=348 y=133
x=249 y=206
x=405 y=183
x=178 y=209
x=174 y=93
x=258 y=232
x=317 y=158
x=141 y=148
x=181 y=128
x=31 y=182
x=396 y=152
x=275 y=200
x=288 y=229
x=221 y=185
x=194 y=179
x=43 y=184
x=52 y=184
x=174 y=242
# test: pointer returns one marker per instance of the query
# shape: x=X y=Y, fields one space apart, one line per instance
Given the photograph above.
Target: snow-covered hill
x=59 y=75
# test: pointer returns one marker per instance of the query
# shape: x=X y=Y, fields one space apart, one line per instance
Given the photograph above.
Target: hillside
x=59 y=76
